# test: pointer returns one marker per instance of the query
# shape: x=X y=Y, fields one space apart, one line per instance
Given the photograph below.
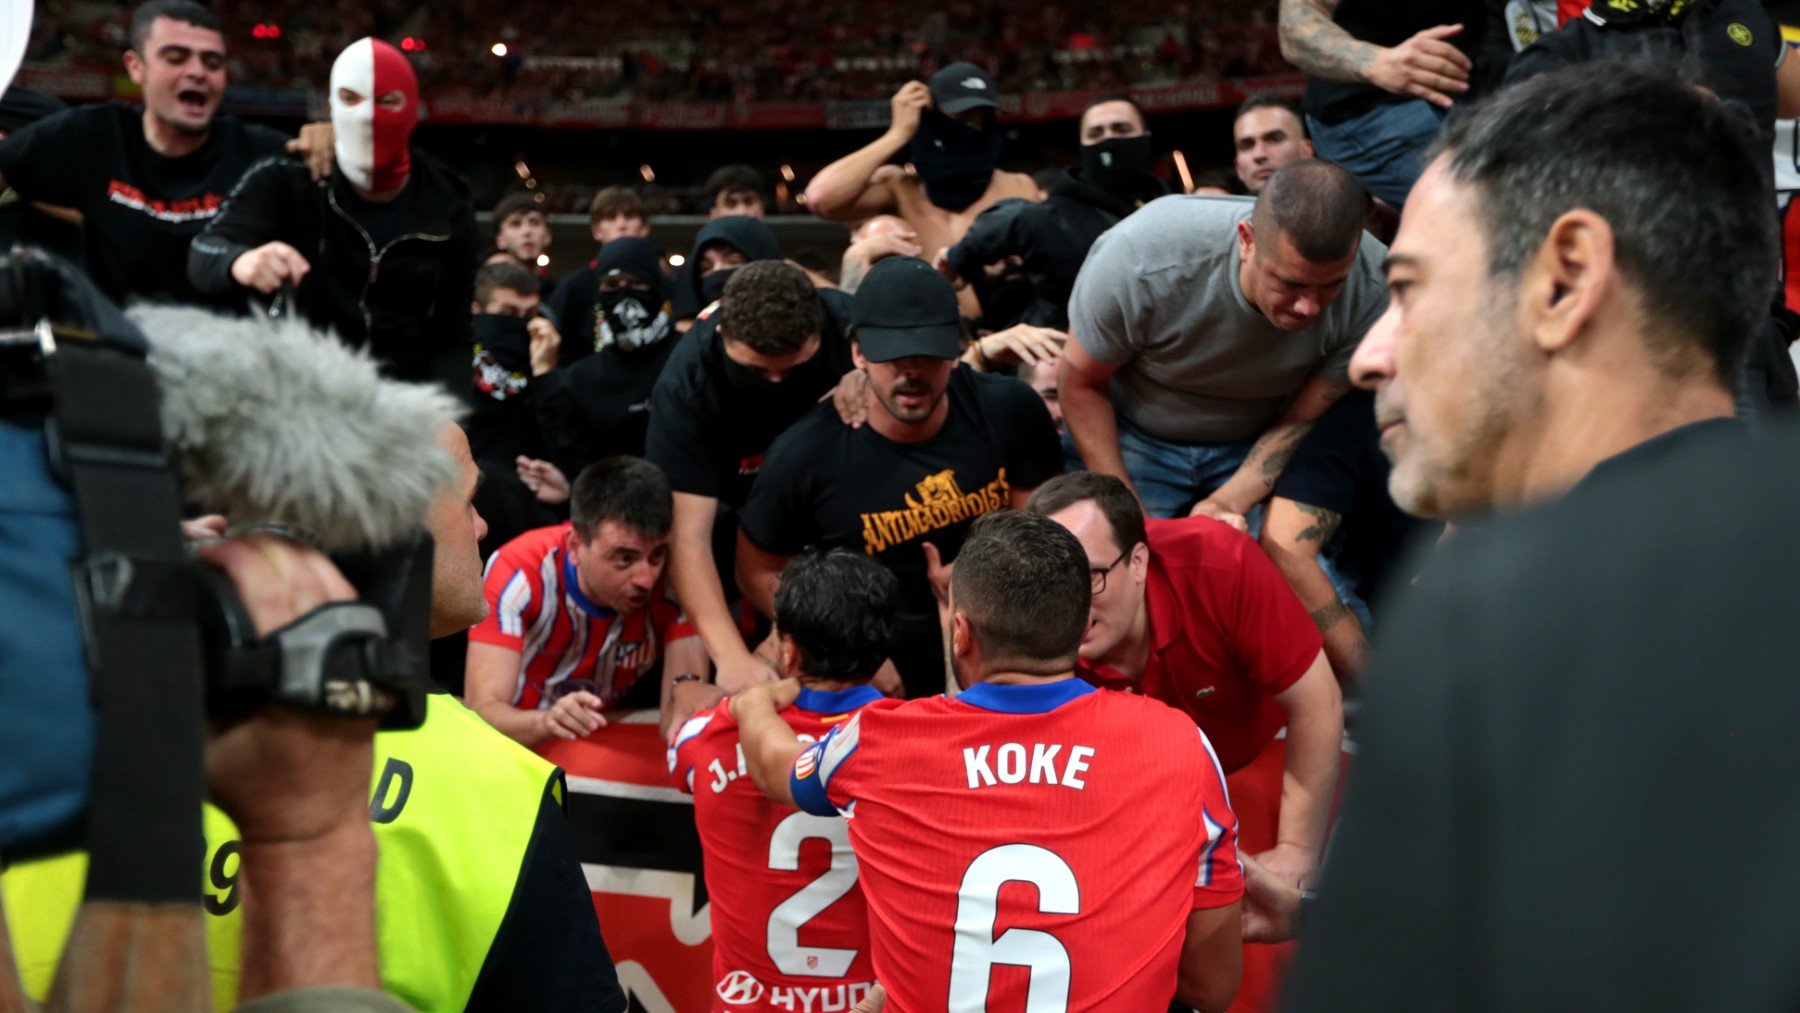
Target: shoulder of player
x=1145 y=720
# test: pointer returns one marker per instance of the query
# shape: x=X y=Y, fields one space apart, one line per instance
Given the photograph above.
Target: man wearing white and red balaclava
x=374 y=108
x=383 y=252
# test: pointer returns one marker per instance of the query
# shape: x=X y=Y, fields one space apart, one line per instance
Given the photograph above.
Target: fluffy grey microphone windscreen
x=275 y=422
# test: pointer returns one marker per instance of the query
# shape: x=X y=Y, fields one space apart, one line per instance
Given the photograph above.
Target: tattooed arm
x=1255 y=478
x=1293 y=534
x=1425 y=65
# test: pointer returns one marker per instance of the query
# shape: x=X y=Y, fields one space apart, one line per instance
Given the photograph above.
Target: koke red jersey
x=789 y=925
x=1028 y=848
x=536 y=607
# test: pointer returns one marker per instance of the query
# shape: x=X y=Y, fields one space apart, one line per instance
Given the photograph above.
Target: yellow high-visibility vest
x=453 y=805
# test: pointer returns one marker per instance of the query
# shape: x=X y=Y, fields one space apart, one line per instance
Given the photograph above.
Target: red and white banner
x=634 y=833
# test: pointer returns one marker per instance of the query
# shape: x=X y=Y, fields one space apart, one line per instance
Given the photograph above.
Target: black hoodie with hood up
x=749 y=236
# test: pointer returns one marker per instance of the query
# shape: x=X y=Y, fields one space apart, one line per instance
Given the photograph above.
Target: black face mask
x=1118 y=165
x=630 y=319
x=501 y=354
x=955 y=160
x=797 y=391
x=712 y=286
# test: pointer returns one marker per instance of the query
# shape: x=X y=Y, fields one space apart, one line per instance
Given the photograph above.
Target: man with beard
x=948 y=132
x=941 y=447
x=1051 y=239
x=1211 y=332
x=771 y=349
x=144 y=182
x=1588 y=686
x=380 y=252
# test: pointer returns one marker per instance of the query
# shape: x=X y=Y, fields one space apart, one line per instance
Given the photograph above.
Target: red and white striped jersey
x=1028 y=847
x=536 y=607
x=789 y=925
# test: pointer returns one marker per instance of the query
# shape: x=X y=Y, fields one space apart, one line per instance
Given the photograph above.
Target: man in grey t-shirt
x=1210 y=332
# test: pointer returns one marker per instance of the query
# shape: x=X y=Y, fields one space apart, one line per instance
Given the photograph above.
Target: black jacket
x=406 y=300
x=1052 y=238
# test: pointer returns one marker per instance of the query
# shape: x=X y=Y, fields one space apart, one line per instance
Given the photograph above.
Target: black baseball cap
x=961 y=87
x=904 y=307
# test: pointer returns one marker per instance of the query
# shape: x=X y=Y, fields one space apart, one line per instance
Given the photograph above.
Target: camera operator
x=519 y=921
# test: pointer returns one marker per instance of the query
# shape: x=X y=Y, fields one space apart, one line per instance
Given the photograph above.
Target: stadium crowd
x=932 y=561
x=713 y=51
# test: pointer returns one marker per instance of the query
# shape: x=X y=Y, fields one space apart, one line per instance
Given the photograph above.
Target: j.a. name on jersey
x=722 y=777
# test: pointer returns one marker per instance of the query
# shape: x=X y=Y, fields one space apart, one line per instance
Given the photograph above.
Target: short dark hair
x=1115 y=96
x=1124 y=515
x=144 y=16
x=506 y=274
x=1679 y=176
x=843 y=611
x=614 y=201
x=734 y=179
x=771 y=306
x=514 y=204
x=1022 y=579
x=1318 y=206
x=1266 y=100
x=628 y=490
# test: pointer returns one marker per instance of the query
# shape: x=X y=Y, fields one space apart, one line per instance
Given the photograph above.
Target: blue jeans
x=1383 y=148
x=1172 y=477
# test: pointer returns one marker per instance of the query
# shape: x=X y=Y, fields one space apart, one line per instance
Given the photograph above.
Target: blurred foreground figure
x=1580 y=691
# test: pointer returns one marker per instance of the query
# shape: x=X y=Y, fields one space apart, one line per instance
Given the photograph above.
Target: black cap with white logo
x=904 y=307
x=961 y=87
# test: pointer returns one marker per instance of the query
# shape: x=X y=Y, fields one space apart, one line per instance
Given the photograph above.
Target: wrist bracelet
x=686 y=677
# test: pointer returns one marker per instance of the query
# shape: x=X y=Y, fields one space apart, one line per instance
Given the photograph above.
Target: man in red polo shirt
x=1190 y=612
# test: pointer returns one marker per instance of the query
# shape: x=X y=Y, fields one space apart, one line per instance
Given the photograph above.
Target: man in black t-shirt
x=144 y=181
x=1380 y=75
x=942 y=446
x=752 y=365
x=1334 y=531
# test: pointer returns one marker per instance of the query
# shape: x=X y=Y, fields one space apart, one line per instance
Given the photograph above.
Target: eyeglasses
x=1099 y=575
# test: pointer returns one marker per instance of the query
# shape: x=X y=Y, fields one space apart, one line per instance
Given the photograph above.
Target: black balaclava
x=1120 y=166
x=631 y=318
x=955 y=161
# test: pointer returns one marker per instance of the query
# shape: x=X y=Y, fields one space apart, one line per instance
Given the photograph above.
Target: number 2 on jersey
x=785 y=950
x=977 y=951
